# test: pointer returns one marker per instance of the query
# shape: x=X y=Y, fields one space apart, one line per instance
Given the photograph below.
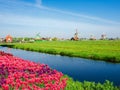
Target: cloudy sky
x=59 y=18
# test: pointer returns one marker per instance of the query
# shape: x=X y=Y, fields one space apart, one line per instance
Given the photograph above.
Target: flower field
x=19 y=74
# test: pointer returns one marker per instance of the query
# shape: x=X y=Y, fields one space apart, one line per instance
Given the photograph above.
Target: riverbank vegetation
x=86 y=85
x=107 y=50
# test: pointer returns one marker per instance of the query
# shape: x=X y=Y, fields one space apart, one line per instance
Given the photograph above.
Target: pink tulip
x=29 y=75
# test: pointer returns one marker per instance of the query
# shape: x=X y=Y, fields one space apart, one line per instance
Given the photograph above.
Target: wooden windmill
x=76 y=35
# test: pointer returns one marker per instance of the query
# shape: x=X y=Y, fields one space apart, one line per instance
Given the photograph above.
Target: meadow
x=106 y=50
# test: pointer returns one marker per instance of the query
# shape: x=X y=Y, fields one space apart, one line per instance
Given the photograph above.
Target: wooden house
x=8 y=38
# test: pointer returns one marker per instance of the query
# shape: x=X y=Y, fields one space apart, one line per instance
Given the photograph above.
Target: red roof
x=8 y=38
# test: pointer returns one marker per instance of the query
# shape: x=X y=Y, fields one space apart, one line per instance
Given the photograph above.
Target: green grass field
x=97 y=50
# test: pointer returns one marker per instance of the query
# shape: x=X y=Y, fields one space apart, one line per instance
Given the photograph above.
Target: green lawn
x=98 y=50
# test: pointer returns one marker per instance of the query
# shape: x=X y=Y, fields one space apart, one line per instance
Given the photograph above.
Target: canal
x=78 y=68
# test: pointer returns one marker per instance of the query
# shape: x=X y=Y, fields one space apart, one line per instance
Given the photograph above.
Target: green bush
x=86 y=85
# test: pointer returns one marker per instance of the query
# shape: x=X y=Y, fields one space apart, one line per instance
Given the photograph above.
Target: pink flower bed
x=19 y=74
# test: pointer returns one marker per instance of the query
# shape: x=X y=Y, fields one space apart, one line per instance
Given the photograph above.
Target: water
x=78 y=68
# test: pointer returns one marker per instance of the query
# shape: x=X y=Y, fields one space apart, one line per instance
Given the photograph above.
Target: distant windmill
x=103 y=36
x=75 y=36
x=37 y=37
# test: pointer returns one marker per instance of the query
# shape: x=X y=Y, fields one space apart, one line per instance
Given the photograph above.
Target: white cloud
x=98 y=19
x=51 y=23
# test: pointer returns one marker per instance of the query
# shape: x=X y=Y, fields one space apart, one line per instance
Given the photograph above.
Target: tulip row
x=19 y=74
x=2 y=53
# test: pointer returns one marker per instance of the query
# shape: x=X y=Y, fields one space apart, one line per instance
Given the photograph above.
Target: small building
x=2 y=39
x=92 y=37
x=8 y=38
x=103 y=36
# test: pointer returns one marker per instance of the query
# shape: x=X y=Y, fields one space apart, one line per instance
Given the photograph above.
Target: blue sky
x=59 y=18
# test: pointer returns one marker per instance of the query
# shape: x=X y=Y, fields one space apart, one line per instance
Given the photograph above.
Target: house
x=8 y=38
x=2 y=39
x=92 y=37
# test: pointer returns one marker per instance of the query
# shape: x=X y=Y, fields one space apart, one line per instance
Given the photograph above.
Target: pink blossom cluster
x=2 y=53
x=19 y=74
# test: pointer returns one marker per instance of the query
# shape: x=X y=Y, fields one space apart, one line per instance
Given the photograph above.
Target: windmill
x=37 y=37
x=103 y=36
x=75 y=36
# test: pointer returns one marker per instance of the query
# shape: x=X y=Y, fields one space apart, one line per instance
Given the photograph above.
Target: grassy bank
x=97 y=50
x=86 y=85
